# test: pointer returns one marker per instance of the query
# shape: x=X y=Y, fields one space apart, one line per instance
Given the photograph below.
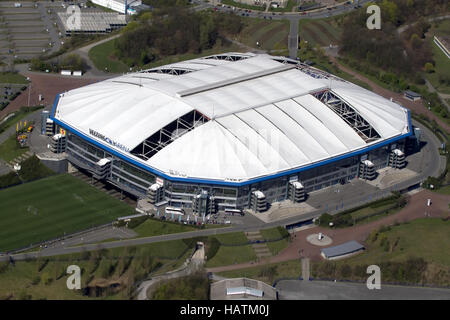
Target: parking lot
x=28 y=31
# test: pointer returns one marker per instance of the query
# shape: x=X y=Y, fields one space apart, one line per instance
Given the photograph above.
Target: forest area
x=404 y=54
x=172 y=31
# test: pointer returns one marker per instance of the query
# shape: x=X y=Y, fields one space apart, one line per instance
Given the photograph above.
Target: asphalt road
x=328 y=290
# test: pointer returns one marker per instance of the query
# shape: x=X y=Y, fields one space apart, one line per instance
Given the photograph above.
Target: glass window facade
x=137 y=181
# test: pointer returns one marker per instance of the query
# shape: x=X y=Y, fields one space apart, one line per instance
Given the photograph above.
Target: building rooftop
x=342 y=249
x=242 y=289
x=242 y=116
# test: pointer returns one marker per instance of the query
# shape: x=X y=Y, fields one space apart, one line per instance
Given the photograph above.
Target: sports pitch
x=48 y=208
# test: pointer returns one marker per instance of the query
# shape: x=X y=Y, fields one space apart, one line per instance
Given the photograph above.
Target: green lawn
x=152 y=227
x=320 y=31
x=9 y=149
x=10 y=77
x=267 y=273
x=232 y=255
x=426 y=238
x=272 y=234
x=102 y=57
x=442 y=68
x=271 y=34
x=45 y=209
x=232 y=238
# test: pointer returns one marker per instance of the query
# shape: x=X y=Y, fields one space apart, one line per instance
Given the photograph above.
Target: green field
x=268 y=272
x=275 y=234
x=152 y=227
x=322 y=32
x=10 y=149
x=232 y=255
x=48 y=208
x=427 y=239
x=103 y=58
x=271 y=35
x=10 y=77
x=442 y=63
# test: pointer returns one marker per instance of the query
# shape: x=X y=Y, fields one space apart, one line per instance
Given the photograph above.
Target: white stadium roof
x=261 y=115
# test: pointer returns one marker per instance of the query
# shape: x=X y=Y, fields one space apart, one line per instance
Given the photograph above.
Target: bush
x=9 y=179
x=36 y=280
x=324 y=220
x=32 y=169
x=137 y=221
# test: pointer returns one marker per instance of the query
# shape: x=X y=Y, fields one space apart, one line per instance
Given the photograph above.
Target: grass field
x=9 y=149
x=232 y=255
x=269 y=272
x=320 y=31
x=271 y=35
x=10 y=77
x=102 y=57
x=232 y=250
x=48 y=208
x=427 y=238
x=274 y=246
x=442 y=63
x=152 y=227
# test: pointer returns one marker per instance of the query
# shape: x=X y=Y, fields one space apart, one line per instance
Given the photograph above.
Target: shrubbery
x=193 y=287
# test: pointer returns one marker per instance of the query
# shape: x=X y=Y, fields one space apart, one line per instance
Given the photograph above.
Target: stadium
x=233 y=130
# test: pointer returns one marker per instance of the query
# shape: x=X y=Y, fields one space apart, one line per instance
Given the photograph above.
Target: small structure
x=91 y=22
x=343 y=250
x=413 y=96
x=242 y=289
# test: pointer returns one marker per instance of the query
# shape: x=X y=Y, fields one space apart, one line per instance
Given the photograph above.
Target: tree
x=429 y=68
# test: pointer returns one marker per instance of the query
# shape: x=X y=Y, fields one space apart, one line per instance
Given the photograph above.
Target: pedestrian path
x=261 y=249
x=305 y=269
x=19 y=159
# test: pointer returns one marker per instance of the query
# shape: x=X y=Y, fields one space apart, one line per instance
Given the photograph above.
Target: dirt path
x=414 y=210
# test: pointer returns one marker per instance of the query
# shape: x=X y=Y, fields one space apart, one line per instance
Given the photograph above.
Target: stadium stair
x=261 y=249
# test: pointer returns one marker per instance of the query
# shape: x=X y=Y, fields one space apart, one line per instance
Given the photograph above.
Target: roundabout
x=319 y=239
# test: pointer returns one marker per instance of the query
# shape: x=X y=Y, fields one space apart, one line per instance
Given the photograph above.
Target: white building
x=234 y=124
x=118 y=5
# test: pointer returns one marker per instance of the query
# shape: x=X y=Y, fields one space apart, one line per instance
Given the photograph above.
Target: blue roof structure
x=342 y=249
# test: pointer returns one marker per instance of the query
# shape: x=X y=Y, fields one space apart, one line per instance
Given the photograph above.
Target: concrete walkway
x=190 y=266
